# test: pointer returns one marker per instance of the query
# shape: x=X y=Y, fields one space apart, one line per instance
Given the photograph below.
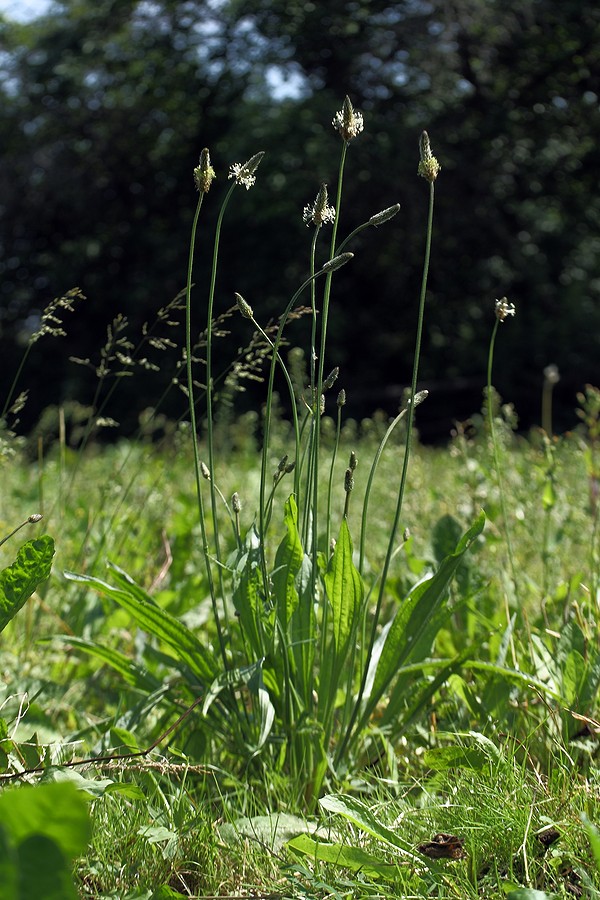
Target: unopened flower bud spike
x=204 y=174
x=30 y=520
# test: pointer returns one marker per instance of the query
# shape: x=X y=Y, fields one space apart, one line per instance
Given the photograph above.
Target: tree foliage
x=107 y=104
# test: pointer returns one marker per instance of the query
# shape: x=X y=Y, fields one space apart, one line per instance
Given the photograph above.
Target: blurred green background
x=106 y=104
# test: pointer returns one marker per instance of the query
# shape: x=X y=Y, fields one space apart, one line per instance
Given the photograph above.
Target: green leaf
x=340 y=855
x=529 y=894
x=164 y=892
x=159 y=623
x=573 y=675
x=548 y=495
x=9 y=867
x=304 y=632
x=273 y=830
x=513 y=676
x=248 y=599
x=418 y=620
x=288 y=560
x=345 y=591
x=56 y=811
x=95 y=787
x=45 y=872
x=133 y=674
x=123 y=740
x=251 y=677
x=593 y=837
x=475 y=752
x=125 y=789
x=356 y=811
x=19 y=581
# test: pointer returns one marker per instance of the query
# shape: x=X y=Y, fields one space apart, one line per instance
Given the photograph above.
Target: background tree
x=105 y=107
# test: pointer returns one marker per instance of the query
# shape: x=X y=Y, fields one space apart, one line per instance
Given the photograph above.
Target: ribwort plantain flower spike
x=348 y=121
x=341 y=398
x=204 y=174
x=385 y=215
x=244 y=173
x=236 y=503
x=337 y=262
x=504 y=309
x=331 y=379
x=419 y=397
x=349 y=481
x=244 y=307
x=429 y=168
x=319 y=213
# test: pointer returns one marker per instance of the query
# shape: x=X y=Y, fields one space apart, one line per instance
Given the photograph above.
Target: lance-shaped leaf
x=159 y=623
x=418 y=620
x=345 y=592
x=355 y=811
x=288 y=560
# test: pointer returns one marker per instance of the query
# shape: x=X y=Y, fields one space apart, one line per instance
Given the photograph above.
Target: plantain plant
x=309 y=657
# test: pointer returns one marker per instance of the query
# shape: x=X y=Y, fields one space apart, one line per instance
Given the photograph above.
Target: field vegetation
x=292 y=654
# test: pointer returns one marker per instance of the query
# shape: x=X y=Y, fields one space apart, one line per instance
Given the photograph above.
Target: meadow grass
x=293 y=656
x=76 y=706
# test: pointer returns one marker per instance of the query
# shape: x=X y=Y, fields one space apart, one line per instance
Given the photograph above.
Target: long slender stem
x=403 y=478
x=195 y=447
x=497 y=464
x=307 y=507
x=15 y=381
x=210 y=392
x=317 y=401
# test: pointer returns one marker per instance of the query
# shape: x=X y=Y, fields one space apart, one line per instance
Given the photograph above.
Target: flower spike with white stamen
x=348 y=121
x=244 y=172
x=504 y=309
x=319 y=212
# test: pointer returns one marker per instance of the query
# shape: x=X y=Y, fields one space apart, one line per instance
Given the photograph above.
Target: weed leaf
x=356 y=811
x=159 y=623
x=288 y=560
x=419 y=619
x=353 y=858
x=19 y=581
